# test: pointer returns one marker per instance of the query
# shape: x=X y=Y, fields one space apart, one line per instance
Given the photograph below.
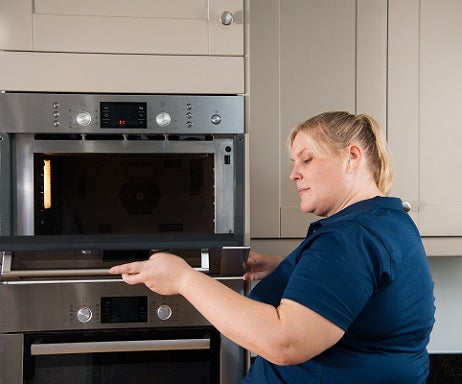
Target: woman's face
x=322 y=182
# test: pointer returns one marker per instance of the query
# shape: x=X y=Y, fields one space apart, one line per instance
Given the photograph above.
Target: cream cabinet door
x=306 y=57
x=424 y=101
x=168 y=27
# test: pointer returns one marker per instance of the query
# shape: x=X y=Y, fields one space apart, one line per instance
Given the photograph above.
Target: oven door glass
x=126 y=187
x=124 y=193
x=125 y=357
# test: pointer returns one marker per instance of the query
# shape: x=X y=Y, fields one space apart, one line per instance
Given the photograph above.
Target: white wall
x=447 y=335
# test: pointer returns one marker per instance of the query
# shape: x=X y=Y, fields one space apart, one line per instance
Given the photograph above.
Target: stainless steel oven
x=89 y=181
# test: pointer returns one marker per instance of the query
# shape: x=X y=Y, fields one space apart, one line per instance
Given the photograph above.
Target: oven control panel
x=119 y=113
x=152 y=310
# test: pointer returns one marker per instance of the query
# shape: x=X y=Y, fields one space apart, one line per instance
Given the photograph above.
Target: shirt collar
x=359 y=207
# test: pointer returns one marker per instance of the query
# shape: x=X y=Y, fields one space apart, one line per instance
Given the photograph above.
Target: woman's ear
x=355 y=155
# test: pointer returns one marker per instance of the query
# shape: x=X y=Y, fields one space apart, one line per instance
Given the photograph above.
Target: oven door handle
x=120 y=346
x=7 y=272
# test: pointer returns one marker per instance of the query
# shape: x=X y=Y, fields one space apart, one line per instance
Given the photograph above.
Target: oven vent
x=58 y=136
x=142 y=137
x=190 y=137
x=111 y=137
x=120 y=137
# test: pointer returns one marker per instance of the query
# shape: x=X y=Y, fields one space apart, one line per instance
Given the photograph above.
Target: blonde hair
x=337 y=130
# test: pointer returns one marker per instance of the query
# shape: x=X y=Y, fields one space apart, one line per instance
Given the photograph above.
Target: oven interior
x=113 y=193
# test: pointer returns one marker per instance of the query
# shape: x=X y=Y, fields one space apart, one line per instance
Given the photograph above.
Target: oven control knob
x=84 y=315
x=164 y=312
x=215 y=119
x=83 y=119
x=163 y=119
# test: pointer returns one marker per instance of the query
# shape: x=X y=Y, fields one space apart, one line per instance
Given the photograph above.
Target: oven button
x=164 y=312
x=215 y=119
x=163 y=119
x=84 y=315
x=83 y=119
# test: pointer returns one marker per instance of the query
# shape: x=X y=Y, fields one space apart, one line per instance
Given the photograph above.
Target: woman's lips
x=301 y=191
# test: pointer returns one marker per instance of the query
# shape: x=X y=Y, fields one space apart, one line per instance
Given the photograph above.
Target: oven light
x=47 y=184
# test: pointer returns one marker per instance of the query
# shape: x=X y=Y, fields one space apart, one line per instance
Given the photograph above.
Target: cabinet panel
x=186 y=27
x=263 y=118
x=318 y=68
x=120 y=73
x=322 y=55
x=440 y=184
x=16 y=30
x=425 y=95
x=98 y=34
x=132 y=8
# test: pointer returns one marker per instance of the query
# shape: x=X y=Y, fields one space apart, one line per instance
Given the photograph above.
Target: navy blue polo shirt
x=364 y=269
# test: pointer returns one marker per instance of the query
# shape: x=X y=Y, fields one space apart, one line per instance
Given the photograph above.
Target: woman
x=353 y=303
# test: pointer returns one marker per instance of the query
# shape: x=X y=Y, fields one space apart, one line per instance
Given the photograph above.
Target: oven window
x=124 y=193
x=142 y=367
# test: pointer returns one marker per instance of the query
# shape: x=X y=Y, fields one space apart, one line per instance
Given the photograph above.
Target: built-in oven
x=114 y=164
x=90 y=181
x=102 y=332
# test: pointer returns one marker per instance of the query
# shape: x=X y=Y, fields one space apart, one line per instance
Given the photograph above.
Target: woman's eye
x=306 y=161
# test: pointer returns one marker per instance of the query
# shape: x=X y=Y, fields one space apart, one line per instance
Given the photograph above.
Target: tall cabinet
x=424 y=124
x=306 y=57
x=398 y=60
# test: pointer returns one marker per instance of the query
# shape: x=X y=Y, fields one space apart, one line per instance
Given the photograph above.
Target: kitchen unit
x=94 y=180
x=142 y=46
x=113 y=91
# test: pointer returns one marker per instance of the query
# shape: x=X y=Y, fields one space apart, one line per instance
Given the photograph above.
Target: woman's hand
x=163 y=273
x=259 y=265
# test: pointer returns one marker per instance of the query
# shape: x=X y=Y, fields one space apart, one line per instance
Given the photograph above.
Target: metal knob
x=215 y=119
x=407 y=206
x=83 y=119
x=163 y=119
x=84 y=315
x=226 y=18
x=164 y=312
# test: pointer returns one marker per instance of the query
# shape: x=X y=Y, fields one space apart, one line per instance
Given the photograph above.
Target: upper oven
x=151 y=165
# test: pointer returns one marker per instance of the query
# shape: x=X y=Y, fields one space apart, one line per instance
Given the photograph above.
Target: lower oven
x=142 y=357
x=95 y=330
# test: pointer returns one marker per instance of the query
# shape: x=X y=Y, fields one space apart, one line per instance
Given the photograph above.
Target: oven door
x=121 y=356
x=128 y=184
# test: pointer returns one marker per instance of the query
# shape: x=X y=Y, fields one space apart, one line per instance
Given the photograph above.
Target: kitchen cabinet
x=173 y=27
x=189 y=46
x=424 y=100
x=306 y=57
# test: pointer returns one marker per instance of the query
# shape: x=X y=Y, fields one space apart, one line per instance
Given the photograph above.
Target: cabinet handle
x=407 y=206
x=226 y=18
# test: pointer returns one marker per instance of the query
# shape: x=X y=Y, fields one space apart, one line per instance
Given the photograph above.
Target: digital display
x=123 y=115
x=132 y=309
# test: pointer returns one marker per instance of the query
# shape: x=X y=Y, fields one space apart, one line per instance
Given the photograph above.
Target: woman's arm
x=288 y=334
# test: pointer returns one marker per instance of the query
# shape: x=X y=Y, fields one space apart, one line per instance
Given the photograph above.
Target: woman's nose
x=294 y=174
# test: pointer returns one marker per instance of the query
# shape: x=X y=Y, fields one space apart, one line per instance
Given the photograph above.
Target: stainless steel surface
x=120 y=346
x=5 y=192
x=11 y=362
x=47 y=306
x=81 y=113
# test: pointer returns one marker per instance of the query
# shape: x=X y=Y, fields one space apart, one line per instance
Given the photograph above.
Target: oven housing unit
x=93 y=180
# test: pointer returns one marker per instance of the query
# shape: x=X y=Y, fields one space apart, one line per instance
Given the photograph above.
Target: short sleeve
x=338 y=272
